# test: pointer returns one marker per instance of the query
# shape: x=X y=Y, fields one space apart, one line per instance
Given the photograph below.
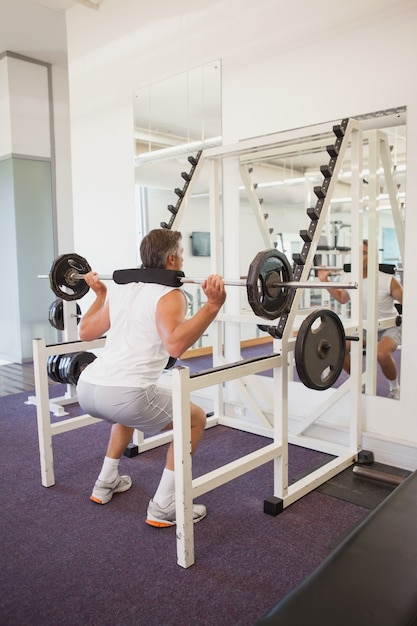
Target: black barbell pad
x=170 y=278
x=386 y=268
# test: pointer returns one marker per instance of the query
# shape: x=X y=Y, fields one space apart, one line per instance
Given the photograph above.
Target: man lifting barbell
x=145 y=324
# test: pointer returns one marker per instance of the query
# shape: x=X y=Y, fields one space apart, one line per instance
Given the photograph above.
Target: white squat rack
x=184 y=384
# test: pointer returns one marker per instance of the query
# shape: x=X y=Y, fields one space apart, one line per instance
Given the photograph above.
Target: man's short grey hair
x=157 y=245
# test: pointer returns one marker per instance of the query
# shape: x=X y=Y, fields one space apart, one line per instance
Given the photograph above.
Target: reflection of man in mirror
x=389 y=292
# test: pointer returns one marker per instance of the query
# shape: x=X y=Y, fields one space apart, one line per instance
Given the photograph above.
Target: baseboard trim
x=397 y=453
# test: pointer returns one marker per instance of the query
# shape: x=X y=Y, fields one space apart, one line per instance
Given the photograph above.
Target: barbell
x=269 y=283
x=320 y=343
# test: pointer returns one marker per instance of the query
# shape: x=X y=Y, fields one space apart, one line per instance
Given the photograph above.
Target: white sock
x=166 y=488
x=393 y=384
x=110 y=470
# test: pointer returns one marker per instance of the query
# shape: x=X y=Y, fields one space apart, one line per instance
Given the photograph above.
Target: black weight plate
x=52 y=367
x=56 y=314
x=55 y=367
x=77 y=364
x=266 y=298
x=49 y=363
x=63 y=368
x=320 y=349
x=61 y=279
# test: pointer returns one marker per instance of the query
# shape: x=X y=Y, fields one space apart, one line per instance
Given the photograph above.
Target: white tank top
x=385 y=305
x=134 y=355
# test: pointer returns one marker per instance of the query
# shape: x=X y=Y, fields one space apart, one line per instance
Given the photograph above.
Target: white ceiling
x=36 y=28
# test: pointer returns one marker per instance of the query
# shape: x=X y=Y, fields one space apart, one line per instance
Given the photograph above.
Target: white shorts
x=149 y=409
x=393 y=331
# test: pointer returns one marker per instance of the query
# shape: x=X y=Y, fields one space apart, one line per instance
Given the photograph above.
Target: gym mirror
x=173 y=119
x=284 y=177
x=284 y=181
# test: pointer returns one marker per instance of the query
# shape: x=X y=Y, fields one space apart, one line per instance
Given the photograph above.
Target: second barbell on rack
x=269 y=283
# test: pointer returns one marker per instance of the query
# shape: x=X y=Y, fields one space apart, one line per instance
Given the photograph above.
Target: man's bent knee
x=198 y=417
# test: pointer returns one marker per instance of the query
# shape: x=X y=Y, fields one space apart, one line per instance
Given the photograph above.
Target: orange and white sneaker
x=163 y=517
x=103 y=492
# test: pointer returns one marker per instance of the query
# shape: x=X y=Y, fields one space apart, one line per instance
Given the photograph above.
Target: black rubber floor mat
x=365 y=492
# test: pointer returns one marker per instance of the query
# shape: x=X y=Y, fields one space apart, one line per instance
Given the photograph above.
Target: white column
x=231 y=252
x=27 y=184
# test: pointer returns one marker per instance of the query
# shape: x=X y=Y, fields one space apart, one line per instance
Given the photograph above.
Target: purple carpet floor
x=68 y=561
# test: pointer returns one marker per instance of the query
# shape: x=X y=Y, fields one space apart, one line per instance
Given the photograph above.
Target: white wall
x=29 y=106
x=62 y=146
x=285 y=65
x=5 y=112
x=24 y=126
